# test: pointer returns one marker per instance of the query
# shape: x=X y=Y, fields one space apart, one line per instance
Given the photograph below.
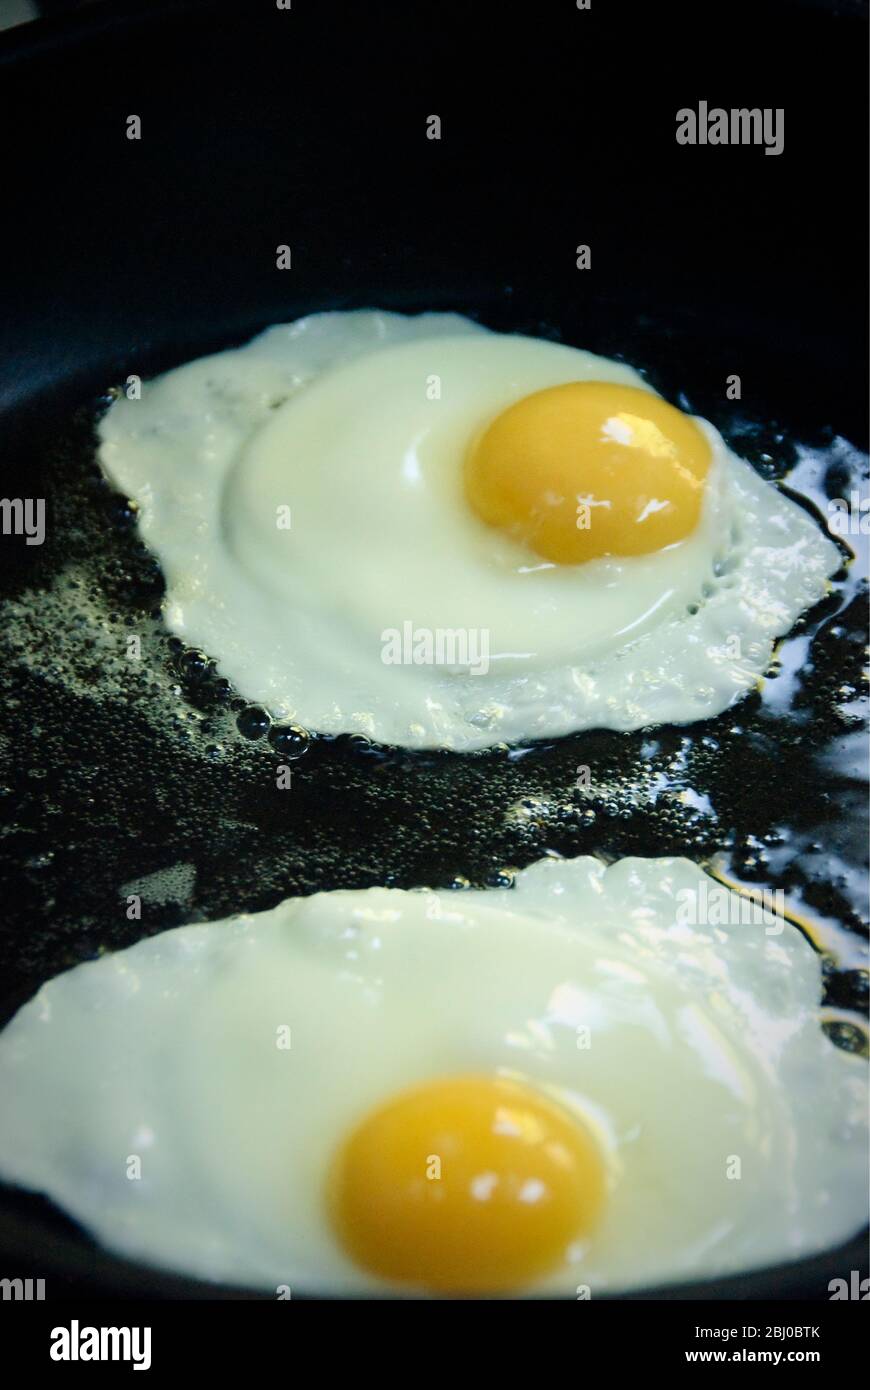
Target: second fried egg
x=576 y=1083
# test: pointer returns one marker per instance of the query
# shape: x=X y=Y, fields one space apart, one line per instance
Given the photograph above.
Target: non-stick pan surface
x=307 y=128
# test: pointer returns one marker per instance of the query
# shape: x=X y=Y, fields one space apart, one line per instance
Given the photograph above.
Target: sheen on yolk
x=589 y=469
x=467 y=1185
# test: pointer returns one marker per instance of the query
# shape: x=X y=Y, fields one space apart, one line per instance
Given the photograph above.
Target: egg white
x=685 y=1048
x=304 y=497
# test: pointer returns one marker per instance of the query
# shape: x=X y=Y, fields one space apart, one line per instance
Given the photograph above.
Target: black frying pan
x=263 y=127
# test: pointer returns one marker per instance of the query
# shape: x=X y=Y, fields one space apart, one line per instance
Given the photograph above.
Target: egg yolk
x=468 y=1185
x=589 y=469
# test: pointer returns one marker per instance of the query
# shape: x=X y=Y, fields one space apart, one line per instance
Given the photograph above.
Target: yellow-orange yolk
x=468 y=1185
x=590 y=469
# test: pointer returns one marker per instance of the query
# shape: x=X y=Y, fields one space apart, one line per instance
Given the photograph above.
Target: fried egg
x=573 y=1086
x=430 y=534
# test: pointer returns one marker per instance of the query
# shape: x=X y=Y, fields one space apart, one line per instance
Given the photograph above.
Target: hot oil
x=140 y=791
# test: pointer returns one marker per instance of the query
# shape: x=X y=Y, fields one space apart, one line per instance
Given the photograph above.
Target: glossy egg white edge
x=183 y=1098
x=306 y=647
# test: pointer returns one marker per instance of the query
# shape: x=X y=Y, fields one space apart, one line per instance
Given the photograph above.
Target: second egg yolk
x=590 y=469
x=466 y=1185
